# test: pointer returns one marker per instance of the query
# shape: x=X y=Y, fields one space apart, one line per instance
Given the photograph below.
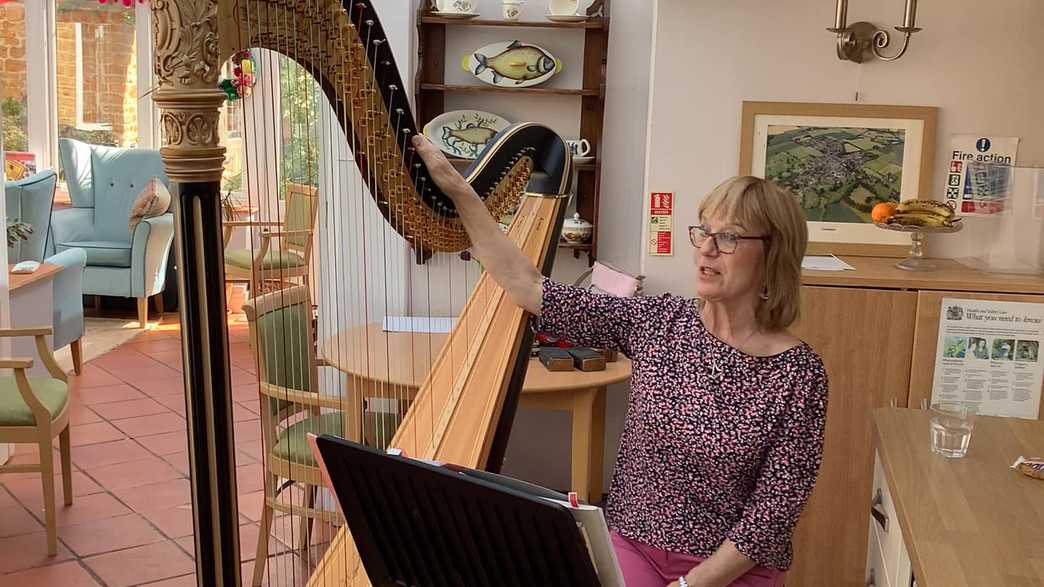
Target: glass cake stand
x=916 y=261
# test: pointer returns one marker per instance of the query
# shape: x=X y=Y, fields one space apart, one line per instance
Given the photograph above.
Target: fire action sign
x=661 y=208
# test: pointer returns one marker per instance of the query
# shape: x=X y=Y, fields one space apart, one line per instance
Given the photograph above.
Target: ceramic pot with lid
x=576 y=230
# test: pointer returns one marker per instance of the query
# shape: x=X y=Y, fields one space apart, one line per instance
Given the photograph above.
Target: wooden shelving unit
x=431 y=91
x=499 y=90
x=593 y=23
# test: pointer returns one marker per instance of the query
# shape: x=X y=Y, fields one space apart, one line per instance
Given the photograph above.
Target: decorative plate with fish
x=464 y=133
x=512 y=64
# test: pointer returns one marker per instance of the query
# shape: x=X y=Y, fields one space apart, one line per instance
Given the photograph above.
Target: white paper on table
x=825 y=263
x=418 y=324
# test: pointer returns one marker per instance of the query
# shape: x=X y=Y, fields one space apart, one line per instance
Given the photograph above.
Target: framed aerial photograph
x=839 y=161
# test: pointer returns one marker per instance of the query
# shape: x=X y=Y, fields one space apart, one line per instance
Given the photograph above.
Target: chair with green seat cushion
x=282 y=260
x=292 y=406
x=52 y=393
x=33 y=410
x=276 y=259
x=293 y=443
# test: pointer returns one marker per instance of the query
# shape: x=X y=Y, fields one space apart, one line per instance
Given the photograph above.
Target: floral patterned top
x=717 y=444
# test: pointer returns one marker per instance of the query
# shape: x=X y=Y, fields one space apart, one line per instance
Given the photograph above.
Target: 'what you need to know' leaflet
x=988 y=354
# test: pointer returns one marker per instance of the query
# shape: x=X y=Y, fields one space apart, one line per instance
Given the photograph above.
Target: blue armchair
x=103 y=183
x=29 y=200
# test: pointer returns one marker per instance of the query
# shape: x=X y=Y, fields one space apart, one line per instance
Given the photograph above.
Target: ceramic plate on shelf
x=457 y=15
x=511 y=64
x=583 y=160
x=566 y=17
x=464 y=133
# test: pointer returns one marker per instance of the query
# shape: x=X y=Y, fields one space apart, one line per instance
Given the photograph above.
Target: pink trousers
x=645 y=566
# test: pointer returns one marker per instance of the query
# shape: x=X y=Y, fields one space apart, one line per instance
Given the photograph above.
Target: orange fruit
x=883 y=211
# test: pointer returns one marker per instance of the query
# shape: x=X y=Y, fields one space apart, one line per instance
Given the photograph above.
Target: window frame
x=42 y=82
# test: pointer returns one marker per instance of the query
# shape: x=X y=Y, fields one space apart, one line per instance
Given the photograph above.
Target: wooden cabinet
x=875 y=329
x=887 y=562
x=864 y=372
x=967 y=522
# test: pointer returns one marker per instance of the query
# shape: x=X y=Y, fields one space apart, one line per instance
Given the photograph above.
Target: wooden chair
x=35 y=409
x=292 y=258
x=281 y=335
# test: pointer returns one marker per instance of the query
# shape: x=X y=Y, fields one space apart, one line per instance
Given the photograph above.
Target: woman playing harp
x=724 y=430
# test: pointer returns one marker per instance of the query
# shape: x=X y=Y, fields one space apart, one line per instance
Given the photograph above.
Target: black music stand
x=423 y=524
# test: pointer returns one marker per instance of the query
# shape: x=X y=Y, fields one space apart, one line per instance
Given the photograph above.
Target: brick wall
x=109 y=69
x=12 y=51
x=109 y=65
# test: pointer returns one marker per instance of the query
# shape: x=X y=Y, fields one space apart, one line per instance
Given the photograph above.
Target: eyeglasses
x=725 y=242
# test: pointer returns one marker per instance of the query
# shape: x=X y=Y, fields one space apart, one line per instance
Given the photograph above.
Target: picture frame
x=840 y=160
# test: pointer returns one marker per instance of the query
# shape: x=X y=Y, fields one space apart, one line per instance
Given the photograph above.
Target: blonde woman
x=724 y=430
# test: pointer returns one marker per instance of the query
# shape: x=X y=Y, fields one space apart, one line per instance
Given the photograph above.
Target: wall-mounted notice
x=988 y=353
x=661 y=208
x=978 y=181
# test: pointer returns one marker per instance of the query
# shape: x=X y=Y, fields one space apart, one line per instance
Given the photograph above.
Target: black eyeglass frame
x=714 y=235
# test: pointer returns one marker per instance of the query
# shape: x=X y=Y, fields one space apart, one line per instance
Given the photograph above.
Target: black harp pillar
x=187 y=65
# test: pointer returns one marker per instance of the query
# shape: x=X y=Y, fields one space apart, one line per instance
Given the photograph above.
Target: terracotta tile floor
x=131 y=519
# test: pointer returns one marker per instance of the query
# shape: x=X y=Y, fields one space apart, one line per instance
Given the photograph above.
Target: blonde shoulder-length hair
x=764 y=208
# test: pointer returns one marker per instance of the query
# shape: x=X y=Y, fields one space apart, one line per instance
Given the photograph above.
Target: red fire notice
x=661 y=207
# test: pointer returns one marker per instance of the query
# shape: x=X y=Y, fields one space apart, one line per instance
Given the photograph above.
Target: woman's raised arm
x=498 y=255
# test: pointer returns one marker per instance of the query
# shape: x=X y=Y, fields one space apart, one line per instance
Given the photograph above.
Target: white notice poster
x=988 y=354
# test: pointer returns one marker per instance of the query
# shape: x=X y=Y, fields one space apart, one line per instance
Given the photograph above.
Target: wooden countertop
x=973 y=521
x=881 y=272
x=44 y=271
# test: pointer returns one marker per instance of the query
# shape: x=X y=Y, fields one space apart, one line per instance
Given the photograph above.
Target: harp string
x=344 y=290
x=294 y=114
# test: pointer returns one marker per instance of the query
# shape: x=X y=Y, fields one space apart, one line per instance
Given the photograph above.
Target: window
x=97 y=72
x=13 y=95
x=230 y=131
x=299 y=124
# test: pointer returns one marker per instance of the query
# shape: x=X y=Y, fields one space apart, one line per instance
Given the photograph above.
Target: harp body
x=462 y=412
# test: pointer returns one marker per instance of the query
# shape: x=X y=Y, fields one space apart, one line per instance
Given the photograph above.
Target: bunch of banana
x=927 y=213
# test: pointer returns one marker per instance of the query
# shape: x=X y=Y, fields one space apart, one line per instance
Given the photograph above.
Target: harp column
x=188 y=62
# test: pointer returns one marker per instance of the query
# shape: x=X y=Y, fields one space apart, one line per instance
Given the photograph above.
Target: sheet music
x=825 y=263
x=422 y=324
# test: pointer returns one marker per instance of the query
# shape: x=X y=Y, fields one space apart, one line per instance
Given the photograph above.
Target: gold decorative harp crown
x=361 y=166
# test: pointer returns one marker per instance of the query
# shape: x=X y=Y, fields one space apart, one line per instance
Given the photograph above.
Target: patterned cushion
x=52 y=393
x=274 y=259
x=152 y=201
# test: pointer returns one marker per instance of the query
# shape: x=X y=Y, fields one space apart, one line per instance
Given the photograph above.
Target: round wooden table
x=394 y=365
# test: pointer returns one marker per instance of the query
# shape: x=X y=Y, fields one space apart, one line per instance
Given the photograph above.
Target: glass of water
x=952 y=424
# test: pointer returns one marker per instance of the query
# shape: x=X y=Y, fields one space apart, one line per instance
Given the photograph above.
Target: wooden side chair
x=292 y=258
x=35 y=409
x=280 y=325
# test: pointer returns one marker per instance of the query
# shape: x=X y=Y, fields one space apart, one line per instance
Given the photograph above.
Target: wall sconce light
x=858 y=41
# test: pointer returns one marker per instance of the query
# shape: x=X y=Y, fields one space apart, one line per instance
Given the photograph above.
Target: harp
x=463 y=410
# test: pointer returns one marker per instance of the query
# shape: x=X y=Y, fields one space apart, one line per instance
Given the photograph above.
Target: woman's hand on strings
x=441 y=170
x=500 y=256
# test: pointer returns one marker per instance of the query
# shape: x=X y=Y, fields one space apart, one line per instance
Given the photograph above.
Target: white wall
x=979 y=62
